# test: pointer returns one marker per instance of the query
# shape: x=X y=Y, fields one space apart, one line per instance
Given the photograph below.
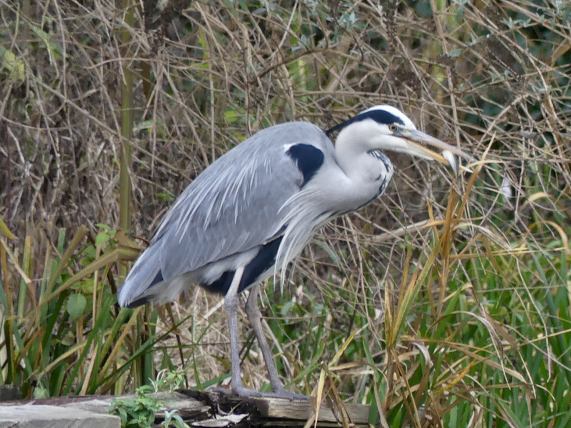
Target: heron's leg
x=231 y=307
x=255 y=317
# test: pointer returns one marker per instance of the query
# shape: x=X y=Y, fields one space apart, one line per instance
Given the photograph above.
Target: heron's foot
x=278 y=393
x=240 y=391
x=287 y=395
x=243 y=392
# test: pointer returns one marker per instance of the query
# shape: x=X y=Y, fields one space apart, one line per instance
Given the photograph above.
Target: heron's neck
x=351 y=153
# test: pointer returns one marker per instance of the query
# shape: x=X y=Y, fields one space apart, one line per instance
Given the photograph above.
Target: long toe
x=288 y=395
x=281 y=393
x=242 y=392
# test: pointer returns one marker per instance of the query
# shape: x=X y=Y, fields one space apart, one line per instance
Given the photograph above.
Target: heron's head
x=384 y=127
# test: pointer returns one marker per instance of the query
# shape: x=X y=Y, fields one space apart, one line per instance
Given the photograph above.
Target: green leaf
x=231 y=116
x=4 y=229
x=166 y=196
x=102 y=239
x=15 y=66
x=145 y=125
x=40 y=392
x=75 y=306
x=54 y=48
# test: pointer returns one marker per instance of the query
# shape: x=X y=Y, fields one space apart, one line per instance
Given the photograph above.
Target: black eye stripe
x=380 y=116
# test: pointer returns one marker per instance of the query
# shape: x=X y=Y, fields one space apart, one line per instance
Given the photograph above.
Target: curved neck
x=351 y=153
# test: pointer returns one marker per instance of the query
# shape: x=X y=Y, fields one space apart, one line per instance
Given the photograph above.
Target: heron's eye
x=393 y=128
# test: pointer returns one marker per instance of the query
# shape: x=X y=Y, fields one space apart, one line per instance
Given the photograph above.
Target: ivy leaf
x=14 y=65
x=75 y=306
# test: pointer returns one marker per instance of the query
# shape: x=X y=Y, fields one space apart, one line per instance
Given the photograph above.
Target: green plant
x=68 y=327
x=172 y=419
x=138 y=411
x=169 y=380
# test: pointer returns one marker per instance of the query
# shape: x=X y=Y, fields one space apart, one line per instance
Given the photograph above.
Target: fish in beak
x=419 y=144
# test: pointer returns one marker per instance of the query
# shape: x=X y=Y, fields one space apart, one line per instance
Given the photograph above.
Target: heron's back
x=231 y=214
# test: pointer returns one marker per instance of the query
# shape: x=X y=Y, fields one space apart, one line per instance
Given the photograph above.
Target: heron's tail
x=143 y=277
x=147 y=283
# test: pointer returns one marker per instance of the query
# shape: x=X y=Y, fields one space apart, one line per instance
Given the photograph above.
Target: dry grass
x=449 y=307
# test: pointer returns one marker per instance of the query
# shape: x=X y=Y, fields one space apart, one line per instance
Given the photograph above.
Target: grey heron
x=254 y=209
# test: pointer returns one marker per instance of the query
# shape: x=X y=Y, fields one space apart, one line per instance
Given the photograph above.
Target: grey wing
x=231 y=207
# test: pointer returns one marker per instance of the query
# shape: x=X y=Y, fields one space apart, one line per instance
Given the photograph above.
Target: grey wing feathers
x=231 y=207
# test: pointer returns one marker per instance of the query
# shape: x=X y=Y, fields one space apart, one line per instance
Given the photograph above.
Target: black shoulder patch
x=220 y=285
x=378 y=115
x=139 y=302
x=158 y=278
x=264 y=260
x=308 y=159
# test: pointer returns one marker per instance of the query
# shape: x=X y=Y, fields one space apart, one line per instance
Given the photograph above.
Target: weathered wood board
x=198 y=409
x=286 y=413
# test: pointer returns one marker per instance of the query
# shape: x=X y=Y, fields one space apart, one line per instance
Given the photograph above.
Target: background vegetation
x=445 y=303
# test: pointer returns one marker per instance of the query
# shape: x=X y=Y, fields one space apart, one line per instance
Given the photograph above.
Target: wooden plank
x=187 y=407
x=302 y=410
x=284 y=412
x=54 y=417
x=221 y=409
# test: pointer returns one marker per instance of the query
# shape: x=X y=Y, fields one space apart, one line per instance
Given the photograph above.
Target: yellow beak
x=417 y=142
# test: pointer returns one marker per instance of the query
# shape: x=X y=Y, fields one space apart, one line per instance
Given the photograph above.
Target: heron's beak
x=418 y=143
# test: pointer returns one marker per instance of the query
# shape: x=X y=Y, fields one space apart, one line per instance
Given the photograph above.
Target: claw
x=243 y=392
x=288 y=395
